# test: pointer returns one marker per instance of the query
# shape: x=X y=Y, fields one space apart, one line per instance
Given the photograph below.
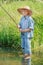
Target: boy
x=26 y=27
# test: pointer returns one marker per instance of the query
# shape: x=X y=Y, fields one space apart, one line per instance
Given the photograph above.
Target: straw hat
x=24 y=8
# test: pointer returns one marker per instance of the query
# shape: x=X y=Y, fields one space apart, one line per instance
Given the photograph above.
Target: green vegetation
x=10 y=35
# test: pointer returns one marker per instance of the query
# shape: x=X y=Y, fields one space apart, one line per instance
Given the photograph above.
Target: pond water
x=11 y=59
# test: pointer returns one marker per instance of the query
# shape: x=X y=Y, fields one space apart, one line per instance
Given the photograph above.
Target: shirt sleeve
x=31 y=23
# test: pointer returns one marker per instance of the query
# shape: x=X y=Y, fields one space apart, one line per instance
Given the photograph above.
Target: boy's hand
x=21 y=30
x=18 y=26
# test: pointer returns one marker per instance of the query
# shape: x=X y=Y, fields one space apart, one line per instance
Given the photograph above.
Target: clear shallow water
x=11 y=59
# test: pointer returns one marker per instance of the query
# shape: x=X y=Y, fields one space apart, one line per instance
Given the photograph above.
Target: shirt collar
x=26 y=17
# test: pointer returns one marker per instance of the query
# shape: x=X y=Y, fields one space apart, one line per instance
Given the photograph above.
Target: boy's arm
x=25 y=30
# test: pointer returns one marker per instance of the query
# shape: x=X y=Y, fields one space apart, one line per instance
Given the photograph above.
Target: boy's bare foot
x=27 y=56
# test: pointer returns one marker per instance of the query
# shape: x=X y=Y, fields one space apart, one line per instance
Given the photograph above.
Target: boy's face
x=24 y=12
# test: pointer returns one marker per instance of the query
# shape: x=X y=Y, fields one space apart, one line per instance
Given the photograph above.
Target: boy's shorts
x=26 y=45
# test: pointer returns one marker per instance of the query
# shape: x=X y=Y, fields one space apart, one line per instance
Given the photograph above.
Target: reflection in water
x=26 y=61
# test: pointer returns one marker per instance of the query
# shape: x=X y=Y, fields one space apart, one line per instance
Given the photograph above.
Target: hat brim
x=20 y=10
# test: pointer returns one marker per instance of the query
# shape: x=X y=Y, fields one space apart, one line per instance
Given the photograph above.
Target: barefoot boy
x=26 y=27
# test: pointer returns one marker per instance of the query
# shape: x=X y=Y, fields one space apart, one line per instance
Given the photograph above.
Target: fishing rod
x=8 y=14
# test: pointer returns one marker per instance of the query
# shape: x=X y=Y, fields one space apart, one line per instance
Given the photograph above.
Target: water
x=9 y=58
